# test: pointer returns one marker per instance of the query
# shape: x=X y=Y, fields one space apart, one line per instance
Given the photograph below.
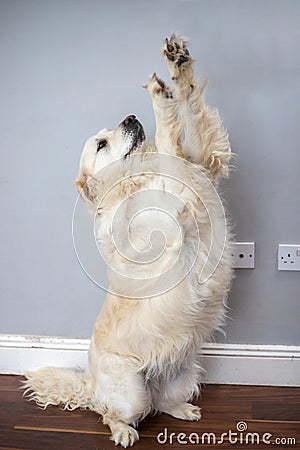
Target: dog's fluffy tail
x=54 y=386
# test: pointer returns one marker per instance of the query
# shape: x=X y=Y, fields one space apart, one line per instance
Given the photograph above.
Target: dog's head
x=105 y=147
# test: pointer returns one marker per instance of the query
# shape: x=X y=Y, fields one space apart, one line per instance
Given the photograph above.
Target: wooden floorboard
x=270 y=410
x=274 y=410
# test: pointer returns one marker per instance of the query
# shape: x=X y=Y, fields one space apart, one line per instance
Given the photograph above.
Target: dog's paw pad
x=175 y=50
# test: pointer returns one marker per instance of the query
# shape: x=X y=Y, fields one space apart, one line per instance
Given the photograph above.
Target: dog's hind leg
x=120 y=394
x=206 y=140
x=168 y=128
x=174 y=392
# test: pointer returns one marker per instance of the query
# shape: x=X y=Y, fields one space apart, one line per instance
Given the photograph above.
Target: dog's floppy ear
x=87 y=187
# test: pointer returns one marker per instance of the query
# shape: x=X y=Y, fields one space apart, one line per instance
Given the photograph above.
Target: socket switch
x=289 y=257
x=243 y=255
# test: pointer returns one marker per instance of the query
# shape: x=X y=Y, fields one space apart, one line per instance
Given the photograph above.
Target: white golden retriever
x=161 y=305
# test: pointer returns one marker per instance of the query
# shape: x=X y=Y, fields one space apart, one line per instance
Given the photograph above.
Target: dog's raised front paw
x=156 y=86
x=175 y=50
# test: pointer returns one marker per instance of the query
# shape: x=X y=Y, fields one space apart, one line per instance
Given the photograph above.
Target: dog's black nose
x=128 y=120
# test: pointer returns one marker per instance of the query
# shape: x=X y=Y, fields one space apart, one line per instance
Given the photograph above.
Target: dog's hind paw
x=190 y=412
x=124 y=435
x=184 y=411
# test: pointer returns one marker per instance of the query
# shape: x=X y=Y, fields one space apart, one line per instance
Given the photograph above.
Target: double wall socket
x=243 y=254
x=288 y=257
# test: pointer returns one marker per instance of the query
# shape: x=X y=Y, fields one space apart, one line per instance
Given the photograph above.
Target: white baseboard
x=273 y=365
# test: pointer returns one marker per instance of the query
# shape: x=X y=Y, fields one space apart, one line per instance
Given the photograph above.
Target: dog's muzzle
x=133 y=128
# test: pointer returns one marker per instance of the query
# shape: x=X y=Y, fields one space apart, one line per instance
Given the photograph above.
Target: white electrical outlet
x=243 y=254
x=289 y=257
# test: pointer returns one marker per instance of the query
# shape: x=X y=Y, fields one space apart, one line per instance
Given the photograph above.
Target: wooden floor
x=273 y=410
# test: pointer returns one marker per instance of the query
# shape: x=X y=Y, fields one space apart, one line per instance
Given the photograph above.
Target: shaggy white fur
x=144 y=353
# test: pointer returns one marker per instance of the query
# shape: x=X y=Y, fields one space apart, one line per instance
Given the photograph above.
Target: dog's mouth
x=134 y=132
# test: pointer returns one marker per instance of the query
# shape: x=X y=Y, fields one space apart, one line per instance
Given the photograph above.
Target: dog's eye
x=101 y=144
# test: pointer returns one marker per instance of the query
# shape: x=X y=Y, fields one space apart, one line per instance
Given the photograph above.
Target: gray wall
x=69 y=68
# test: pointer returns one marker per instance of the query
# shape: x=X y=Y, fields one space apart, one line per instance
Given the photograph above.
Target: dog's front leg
x=206 y=140
x=168 y=129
